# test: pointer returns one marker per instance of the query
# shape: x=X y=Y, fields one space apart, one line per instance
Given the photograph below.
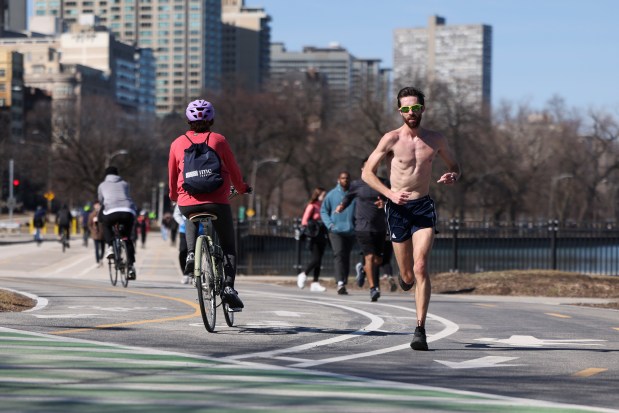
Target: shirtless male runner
x=411 y=216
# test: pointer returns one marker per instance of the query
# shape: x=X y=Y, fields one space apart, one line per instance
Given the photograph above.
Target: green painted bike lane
x=41 y=372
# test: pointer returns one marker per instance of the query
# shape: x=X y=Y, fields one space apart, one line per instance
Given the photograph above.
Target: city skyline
x=540 y=49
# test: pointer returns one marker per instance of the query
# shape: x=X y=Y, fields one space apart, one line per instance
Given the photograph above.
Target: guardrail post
x=553 y=227
x=454 y=226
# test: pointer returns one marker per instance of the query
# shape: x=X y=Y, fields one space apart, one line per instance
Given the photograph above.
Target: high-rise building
x=13 y=15
x=347 y=78
x=118 y=61
x=457 y=55
x=184 y=35
x=12 y=91
x=246 y=45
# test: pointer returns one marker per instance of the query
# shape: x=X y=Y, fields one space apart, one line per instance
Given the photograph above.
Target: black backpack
x=202 y=171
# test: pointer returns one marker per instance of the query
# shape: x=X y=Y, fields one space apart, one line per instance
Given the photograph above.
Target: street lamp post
x=254 y=170
x=110 y=156
x=553 y=186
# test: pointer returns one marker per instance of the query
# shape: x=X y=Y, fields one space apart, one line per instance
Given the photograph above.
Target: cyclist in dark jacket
x=63 y=220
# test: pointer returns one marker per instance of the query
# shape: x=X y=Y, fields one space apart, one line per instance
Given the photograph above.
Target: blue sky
x=541 y=48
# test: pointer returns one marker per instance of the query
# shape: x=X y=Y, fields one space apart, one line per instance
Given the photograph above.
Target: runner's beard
x=414 y=121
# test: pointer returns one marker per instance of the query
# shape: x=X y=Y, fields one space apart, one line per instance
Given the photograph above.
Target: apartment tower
x=185 y=36
x=457 y=55
x=246 y=45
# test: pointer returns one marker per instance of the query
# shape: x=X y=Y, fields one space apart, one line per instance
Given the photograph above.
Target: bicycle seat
x=202 y=216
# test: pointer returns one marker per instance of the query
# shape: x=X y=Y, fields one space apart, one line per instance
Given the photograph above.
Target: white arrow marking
x=483 y=362
x=530 y=341
x=65 y=315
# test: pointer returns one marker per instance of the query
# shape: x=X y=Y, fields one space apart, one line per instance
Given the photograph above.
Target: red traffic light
x=15 y=182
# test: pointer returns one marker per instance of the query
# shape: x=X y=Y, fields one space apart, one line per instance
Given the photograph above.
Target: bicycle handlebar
x=234 y=192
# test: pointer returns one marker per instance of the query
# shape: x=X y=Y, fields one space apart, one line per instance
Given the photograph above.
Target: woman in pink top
x=200 y=116
x=313 y=227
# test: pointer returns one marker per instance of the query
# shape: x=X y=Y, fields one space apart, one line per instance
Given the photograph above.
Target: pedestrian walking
x=173 y=231
x=143 y=226
x=96 y=232
x=411 y=214
x=38 y=221
x=165 y=225
x=180 y=219
x=313 y=228
x=84 y=224
x=370 y=227
x=341 y=229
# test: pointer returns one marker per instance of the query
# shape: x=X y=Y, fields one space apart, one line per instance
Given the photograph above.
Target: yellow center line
x=588 y=372
x=558 y=315
x=130 y=323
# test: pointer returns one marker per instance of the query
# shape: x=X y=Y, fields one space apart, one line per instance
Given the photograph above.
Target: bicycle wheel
x=112 y=268
x=228 y=315
x=123 y=263
x=205 y=283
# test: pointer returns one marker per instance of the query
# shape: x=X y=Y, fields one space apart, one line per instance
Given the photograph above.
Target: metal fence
x=270 y=247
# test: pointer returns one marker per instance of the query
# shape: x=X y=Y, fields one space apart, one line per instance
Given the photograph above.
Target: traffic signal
x=16 y=183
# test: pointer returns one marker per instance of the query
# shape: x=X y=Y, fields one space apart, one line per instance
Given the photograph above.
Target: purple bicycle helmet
x=200 y=110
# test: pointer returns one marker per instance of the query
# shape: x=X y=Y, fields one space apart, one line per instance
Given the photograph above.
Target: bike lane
x=41 y=372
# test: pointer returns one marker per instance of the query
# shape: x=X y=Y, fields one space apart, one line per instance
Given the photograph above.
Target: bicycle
x=119 y=263
x=64 y=241
x=209 y=271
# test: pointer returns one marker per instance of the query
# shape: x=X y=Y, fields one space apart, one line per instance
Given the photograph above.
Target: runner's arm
x=371 y=165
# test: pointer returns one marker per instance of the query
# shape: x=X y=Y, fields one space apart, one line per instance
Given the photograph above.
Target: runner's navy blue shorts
x=405 y=220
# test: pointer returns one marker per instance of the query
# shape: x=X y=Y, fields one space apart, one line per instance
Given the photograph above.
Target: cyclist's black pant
x=65 y=229
x=224 y=226
x=126 y=220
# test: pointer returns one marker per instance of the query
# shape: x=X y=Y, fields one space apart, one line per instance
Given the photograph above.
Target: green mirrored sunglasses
x=415 y=108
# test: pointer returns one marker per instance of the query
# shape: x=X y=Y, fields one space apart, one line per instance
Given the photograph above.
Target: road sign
x=49 y=195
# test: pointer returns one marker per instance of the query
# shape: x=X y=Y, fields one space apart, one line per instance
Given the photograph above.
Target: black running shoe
x=374 y=294
x=189 y=263
x=341 y=290
x=403 y=285
x=419 y=340
x=231 y=297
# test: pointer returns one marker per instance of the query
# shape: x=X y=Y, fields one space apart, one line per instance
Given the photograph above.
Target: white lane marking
x=73 y=264
x=86 y=271
x=375 y=323
x=482 y=362
x=530 y=341
x=80 y=315
x=41 y=302
x=450 y=328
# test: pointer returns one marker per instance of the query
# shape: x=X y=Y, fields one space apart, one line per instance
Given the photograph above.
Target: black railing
x=271 y=247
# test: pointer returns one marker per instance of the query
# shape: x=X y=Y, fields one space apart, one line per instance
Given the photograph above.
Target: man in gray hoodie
x=117 y=207
x=341 y=229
